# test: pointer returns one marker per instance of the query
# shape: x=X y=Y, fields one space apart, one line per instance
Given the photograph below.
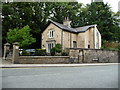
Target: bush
x=56 y=49
x=25 y=53
x=119 y=47
x=64 y=54
x=40 y=52
x=52 y=51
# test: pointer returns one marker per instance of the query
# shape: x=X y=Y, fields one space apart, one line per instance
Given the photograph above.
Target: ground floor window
x=50 y=46
x=88 y=46
x=74 y=44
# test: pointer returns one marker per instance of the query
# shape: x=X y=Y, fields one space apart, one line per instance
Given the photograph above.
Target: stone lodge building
x=81 y=37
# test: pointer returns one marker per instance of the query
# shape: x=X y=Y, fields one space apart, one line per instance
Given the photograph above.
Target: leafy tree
x=20 y=14
x=62 y=10
x=101 y=14
x=22 y=36
x=36 y=14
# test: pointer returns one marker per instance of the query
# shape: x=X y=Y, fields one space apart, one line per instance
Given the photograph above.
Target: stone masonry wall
x=94 y=55
x=42 y=60
x=102 y=56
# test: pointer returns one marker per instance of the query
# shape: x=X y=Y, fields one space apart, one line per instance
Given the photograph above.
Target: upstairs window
x=51 y=34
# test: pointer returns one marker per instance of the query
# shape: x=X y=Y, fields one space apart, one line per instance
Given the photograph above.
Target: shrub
x=58 y=48
x=52 y=51
x=25 y=53
x=64 y=54
x=40 y=52
x=119 y=47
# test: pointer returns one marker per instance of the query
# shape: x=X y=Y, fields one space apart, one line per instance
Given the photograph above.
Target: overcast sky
x=113 y=3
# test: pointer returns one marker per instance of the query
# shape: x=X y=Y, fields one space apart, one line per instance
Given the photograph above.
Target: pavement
x=8 y=64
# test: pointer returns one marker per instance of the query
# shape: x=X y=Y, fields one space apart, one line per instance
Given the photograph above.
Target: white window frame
x=51 y=34
x=50 y=46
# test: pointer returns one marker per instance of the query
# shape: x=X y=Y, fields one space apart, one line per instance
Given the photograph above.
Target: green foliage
x=64 y=54
x=25 y=53
x=20 y=14
x=52 y=51
x=101 y=14
x=56 y=49
x=110 y=45
x=22 y=36
x=66 y=9
x=40 y=52
x=35 y=14
x=119 y=47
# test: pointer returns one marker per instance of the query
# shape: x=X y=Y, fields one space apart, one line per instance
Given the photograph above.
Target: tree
x=36 y=14
x=22 y=36
x=20 y=14
x=101 y=14
x=66 y=9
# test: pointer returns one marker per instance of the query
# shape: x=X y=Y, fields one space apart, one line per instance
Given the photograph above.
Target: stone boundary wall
x=42 y=60
x=94 y=55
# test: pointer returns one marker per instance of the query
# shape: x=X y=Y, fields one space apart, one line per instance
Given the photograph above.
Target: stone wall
x=94 y=55
x=103 y=56
x=42 y=60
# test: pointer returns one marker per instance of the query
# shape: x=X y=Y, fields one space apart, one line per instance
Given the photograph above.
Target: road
x=61 y=77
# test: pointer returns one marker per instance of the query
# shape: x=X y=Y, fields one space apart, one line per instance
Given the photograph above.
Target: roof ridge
x=74 y=30
x=59 y=23
x=87 y=26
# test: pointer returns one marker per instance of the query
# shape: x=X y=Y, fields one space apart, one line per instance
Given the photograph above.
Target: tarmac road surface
x=61 y=77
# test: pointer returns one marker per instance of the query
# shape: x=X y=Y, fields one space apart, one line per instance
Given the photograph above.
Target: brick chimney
x=67 y=22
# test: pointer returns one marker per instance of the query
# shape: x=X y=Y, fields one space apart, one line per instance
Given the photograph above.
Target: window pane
x=74 y=44
x=48 y=47
x=52 y=34
x=52 y=45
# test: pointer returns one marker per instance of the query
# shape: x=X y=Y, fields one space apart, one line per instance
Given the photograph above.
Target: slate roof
x=74 y=30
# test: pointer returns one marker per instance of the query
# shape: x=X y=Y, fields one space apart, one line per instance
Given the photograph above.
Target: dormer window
x=51 y=34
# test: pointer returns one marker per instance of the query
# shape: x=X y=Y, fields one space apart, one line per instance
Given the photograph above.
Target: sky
x=113 y=3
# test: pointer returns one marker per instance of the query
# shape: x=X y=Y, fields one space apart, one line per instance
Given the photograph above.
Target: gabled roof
x=84 y=28
x=74 y=30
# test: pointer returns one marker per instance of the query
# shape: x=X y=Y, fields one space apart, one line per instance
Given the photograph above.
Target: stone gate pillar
x=15 y=52
x=6 y=50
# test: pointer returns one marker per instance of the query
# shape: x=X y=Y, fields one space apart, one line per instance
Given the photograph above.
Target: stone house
x=81 y=37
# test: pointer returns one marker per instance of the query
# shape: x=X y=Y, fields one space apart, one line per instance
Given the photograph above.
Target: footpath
x=7 y=64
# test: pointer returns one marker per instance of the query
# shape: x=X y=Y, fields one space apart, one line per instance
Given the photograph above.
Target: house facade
x=81 y=37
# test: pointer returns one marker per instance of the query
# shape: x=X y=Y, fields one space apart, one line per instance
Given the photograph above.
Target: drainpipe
x=94 y=37
x=70 y=41
x=62 y=39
